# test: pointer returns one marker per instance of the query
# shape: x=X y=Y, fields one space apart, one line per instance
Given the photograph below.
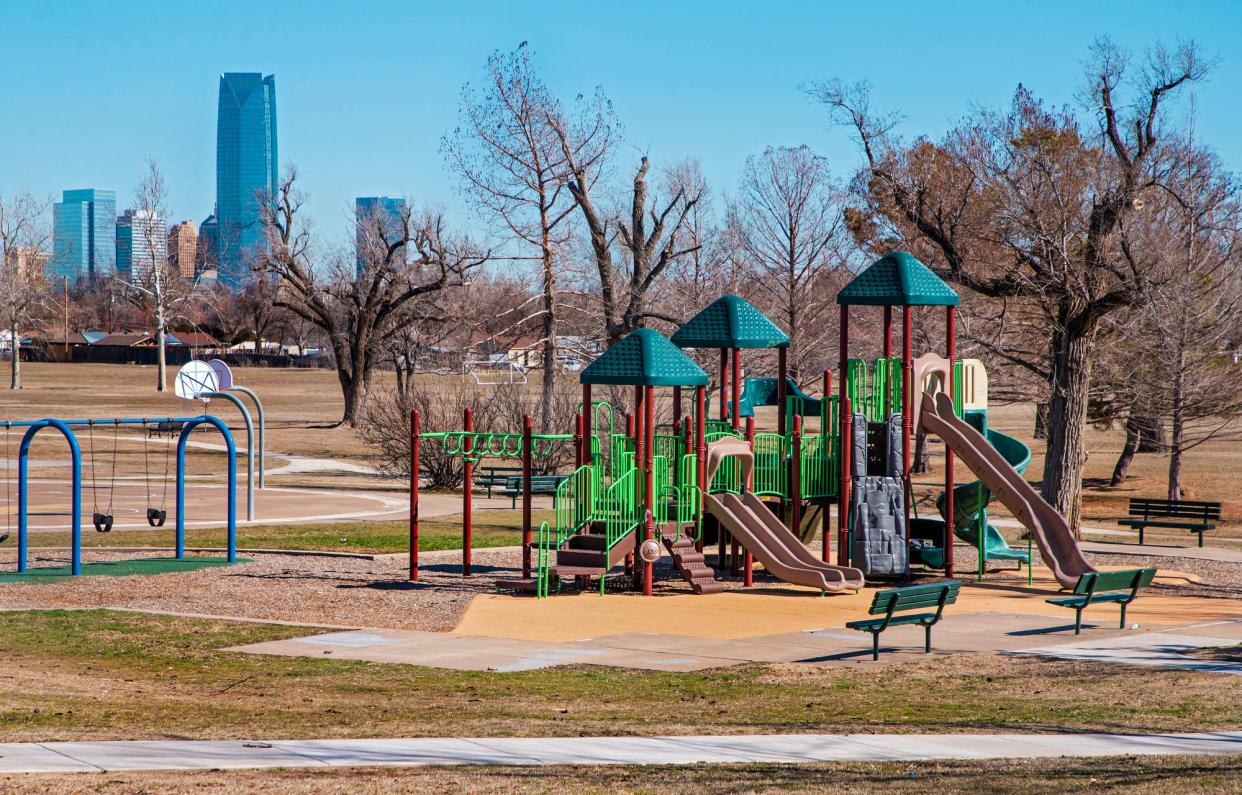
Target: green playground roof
x=730 y=322
x=898 y=279
x=644 y=358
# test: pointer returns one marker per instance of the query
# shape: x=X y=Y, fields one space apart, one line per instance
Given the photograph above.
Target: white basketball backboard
x=224 y=376
x=194 y=379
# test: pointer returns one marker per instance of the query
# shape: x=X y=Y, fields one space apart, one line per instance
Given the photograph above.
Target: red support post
x=700 y=445
x=843 y=439
x=795 y=481
x=588 y=432
x=579 y=440
x=782 y=369
x=888 y=332
x=951 y=349
x=528 y=465
x=737 y=388
x=414 y=495
x=825 y=433
x=467 y=496
x=676 y=409
x=748 y=560
x=724 y=383
x=649 y=406
x=907 y=401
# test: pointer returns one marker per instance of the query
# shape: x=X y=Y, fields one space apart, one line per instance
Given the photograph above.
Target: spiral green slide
x=970 y=500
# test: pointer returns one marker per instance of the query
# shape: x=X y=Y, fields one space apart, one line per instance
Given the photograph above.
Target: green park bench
x=1120 y=587
x=1192 y=515
x=494 y=477
x=539 y=484
x=899 y=600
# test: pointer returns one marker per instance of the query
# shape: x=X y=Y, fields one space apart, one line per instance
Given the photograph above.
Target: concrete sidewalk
x=61 y=757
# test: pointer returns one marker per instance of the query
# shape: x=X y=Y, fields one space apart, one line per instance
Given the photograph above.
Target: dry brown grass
x=1052 y=776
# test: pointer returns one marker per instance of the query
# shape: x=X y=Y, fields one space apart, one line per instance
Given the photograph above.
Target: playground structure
x=103 y=520
x=763 y=494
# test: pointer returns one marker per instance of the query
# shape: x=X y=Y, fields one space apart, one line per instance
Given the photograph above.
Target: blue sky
x=89 y=91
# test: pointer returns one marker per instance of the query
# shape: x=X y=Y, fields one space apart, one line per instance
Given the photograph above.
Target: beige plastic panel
x=974 y=384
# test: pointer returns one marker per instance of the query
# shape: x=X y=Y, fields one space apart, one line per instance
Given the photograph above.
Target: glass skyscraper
x=141 y=244
x=247 y=166
x=367 y=209
x=84 y=234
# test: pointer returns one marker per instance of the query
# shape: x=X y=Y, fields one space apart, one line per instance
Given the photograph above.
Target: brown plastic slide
x=1056 y=542
x=770 y=543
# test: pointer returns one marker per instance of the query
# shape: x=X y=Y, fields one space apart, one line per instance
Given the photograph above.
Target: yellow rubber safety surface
x=774 y=609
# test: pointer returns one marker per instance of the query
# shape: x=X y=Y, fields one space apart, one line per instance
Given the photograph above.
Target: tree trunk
x=1177 y=430
x=161 y=375
x=1133 y=434
x=1073 y=347
x=547 y=410
x=1151 y=435
x=1041 y=421
x=15 y=366
x=352 y=391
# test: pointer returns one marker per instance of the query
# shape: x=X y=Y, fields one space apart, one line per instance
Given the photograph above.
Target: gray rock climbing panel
x=877 y=502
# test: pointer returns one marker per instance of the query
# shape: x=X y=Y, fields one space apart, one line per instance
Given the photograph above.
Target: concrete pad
x=182 y=755
x=402 y=752
x=1152 y=649
x=37 y=757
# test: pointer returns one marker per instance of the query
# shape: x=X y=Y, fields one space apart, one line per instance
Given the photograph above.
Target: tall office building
x=84 y=234
x=388 y=211
x=206 y=255
x=141 y=244
x=247 y=165
x=182 y=248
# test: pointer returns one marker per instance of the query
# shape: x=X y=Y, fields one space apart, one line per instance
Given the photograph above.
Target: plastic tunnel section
x=1057 y=545
x=763 y=535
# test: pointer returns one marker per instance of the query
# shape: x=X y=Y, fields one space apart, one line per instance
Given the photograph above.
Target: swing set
x=102 y=517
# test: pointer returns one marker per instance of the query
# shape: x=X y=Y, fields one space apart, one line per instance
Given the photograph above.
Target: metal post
x=951 y=348
x=724 y=383
x=737 y=388
x=700 y=449
x=527 y=467
x=907 y=400
x=825 y=519
x=467 y=499
x=23 y=497
x=258 y=406
x=782 y=389
x=219 y=425
x=649 y=407
x=888 y=332
x=795 y=483
x=588 y=432
x=843 y=449
x=241 y=407
x=414 y=466
x=748 y=560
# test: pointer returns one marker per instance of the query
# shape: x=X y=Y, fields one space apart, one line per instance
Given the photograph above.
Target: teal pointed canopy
x=730 y=322
x=897 y=279
x=644 y=358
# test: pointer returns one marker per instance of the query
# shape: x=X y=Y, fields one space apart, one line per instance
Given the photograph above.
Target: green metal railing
x=820 y=474
x=661 y=485
x=874 y=388
x=543 y=561
x=690 y=497
x=668 y=445
x=495 y=445
x=573 y=504
x=771 y=465
x=719 y=426
x=619 y=507
x=729 y=476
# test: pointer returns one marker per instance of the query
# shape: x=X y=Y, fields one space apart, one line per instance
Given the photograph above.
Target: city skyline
x=84 y=234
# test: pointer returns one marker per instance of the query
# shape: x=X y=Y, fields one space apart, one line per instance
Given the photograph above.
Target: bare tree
x=788 y=221
x=355 y=307
x=151 y=285
x=513 y=165
x=23 y=240
x=1020 y=206
x=650 y=234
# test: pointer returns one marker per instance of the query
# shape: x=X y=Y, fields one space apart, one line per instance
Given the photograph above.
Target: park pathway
x=62 y=757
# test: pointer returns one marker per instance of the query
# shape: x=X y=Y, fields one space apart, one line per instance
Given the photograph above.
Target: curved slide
x=971 y=499
x=755 y=527
x=1052 y=533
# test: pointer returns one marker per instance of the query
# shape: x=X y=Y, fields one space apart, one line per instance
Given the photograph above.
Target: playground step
x=582 y=558
x=692 y=566
x=587 y=541
x=519 y=584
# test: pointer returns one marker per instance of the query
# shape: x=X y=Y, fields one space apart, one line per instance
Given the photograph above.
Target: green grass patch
x=117 y=568
x=102 y=674
x=491 y=529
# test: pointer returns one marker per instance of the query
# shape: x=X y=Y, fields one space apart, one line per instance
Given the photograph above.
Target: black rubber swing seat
x=103 y=523
x=156 y=517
